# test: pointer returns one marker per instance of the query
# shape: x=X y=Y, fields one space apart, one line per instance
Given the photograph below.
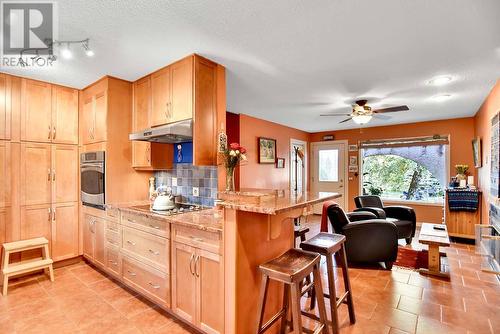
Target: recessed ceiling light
x=440 y=81
x=441 y=98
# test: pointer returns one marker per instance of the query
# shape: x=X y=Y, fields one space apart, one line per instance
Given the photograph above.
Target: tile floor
x=83 y=300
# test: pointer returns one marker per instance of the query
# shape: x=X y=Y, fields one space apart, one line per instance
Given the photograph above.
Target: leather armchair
x=368 y=239
x=403 y=216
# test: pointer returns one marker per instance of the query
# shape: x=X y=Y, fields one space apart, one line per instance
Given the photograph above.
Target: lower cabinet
x=64 y=231
x=93 y=239
x=197 y=287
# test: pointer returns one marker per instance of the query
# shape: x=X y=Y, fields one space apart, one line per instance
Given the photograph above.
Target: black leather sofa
x=403 y=216
x=368 y=239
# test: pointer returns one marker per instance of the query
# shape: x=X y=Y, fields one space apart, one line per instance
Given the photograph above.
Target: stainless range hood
x=177 y=132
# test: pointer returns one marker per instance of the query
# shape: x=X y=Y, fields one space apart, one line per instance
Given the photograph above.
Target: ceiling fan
x=362 y=113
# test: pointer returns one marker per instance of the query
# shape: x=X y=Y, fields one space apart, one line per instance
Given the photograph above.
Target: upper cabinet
x=49 y=113
x=64 y=115
x=94 y=113
x=191 y=88
x=4 y=106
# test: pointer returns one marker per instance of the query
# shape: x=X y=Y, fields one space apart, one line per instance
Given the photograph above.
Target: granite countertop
x=211 y=219
x=272 y=202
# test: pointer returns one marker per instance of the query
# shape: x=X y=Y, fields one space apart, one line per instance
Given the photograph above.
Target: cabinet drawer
x=147 y=246
x=113 y=260
x=112 y=225
x=154 y=226
x=145 y=279
x=113 y=213
x=113 y=237
x=209 y=241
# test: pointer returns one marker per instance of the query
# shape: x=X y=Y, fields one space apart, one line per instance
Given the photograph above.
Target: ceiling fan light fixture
x=442 y=97
x=361 y=119
x=440 y=80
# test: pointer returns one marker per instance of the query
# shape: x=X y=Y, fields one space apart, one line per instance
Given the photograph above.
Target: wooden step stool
x=24 y=267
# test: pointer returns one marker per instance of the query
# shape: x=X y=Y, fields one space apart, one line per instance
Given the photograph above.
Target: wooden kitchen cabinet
x=64 y=231
x=64 y=115
x=161 y=97
x=36 y=221
x=95 y=108
x=197 y=287
x=183 y=282
x=3 y=222
x=65 y=173
x=181 y=100
x=4 y=106
x=36 y=174
x=146 y=155
x=94 y=240
x=36 y=111
x=87 y=124
x=5 y=166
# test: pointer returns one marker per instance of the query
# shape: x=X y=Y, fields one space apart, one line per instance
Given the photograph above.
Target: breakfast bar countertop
x=272 y=202
x=210 y=219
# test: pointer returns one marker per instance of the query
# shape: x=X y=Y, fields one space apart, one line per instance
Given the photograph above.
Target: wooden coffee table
x=434 y=238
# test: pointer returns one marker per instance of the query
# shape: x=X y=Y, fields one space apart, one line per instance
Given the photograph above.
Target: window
x=417 y=172
x=328 y=166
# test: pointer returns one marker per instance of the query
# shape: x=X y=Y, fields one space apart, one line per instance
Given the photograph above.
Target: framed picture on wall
x=267 y=150
x=353 y=160
x=476 y=150
x=280 y=163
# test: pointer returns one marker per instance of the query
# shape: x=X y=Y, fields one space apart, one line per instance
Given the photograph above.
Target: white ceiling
x=290 y=60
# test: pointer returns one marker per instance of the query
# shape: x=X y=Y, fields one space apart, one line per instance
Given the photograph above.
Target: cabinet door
x=4 y=108
x=99 y=254
x=183 y=281
x=36 y=174
x=100 y=112
x=36 y=111
x=182 y=90
x=64 y=231
x=141 y=151
x=5 y=165
x=36 y=221
x=64 y=115
x=3 y=221
x=88 y=121
x=210 y=291
x=64 y=173
x=160 y=97
x=88 y=236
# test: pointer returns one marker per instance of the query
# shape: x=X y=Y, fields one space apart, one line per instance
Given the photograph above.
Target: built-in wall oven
x=93 y=177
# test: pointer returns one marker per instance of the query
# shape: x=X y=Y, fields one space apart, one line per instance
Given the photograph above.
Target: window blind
x=405 y=142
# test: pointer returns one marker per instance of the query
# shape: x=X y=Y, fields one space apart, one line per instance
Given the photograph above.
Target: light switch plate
x=196 y=191
x=174 y=182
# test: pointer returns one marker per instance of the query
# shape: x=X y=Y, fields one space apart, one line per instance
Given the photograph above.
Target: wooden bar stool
x=291 y=268
x=300 y=232
x=328 y=245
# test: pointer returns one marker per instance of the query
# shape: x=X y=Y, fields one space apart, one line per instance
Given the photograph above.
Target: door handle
x=50 y=214
x=53 y=215
x=50 y=131
x=53 y=174
x=154 y=286
x=48 y=174
x=54 y=133
x=191 y=264
x=196 y=266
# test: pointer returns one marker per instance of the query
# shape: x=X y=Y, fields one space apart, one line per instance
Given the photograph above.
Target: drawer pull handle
x=131 y=242
x=112 y=242
x=154 y=252
x=113 y=262
x=196 y=239
x=131 y=273
x=196 y=262
x=155 y=286
x=154 y=226
x=191 y=264
x=131 y=220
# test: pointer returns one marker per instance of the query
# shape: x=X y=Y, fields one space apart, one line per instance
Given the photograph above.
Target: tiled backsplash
x=189 y=176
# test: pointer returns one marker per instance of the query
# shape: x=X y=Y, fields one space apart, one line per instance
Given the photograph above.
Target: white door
x=329 y=170
x=298 y=165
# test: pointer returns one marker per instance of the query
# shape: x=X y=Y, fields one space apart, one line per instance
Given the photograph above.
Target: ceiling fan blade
x=345 y=120
x=391 y=109
x=335 y=115
x=380 y=116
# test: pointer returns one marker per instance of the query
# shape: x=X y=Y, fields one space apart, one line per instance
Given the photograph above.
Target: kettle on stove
x=164 y=199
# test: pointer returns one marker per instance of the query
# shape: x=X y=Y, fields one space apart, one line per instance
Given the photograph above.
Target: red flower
x=243 y=150
x=234 y=146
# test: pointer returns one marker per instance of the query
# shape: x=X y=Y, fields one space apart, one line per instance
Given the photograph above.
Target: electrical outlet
x=174 y=182
x=196 y=191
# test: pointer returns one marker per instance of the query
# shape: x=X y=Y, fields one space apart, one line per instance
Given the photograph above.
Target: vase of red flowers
x=232 y=156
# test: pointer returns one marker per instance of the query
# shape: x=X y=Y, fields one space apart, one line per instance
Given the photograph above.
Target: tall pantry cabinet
x=39 y=138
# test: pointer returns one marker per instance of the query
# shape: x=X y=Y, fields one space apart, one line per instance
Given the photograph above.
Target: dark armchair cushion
x=368 y=201
x=380 y=213
x=360 y=215
x=337 y=218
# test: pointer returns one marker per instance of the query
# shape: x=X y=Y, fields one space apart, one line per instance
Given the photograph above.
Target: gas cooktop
x=179 y=208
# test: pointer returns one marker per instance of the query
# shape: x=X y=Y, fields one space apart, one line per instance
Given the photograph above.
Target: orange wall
x=482 y=120
x=255 y=175
x=461 y=133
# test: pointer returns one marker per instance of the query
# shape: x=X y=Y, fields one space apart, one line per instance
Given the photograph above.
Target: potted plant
x=461 y=171
x=232 y=156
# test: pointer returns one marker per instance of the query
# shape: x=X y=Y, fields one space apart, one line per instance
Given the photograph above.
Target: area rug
x=411 y=258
